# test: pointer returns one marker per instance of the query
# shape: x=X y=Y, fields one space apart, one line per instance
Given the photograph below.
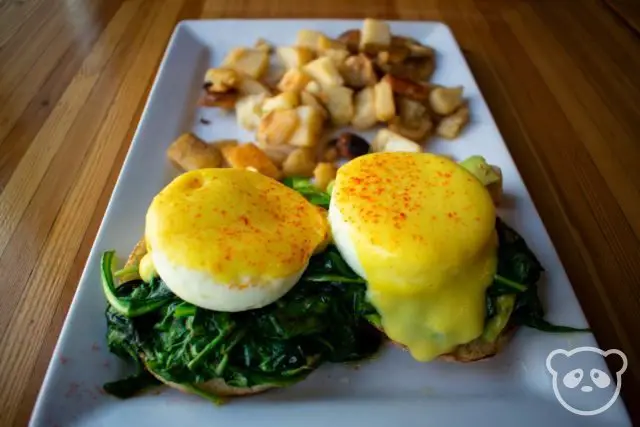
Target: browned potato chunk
x=307 y=134
x=189 y=152
x=314 y=88
x=251 y=86
x=294 y=56
x=338 y=56
x=323 y=174
x=277 y=153
x=407 y=88
x=263 y=45
x=309 y=39
x=451 y=126
x=252 y=62
x=221 y=80
x=339 y=102
x=384 y=102
x=324 y=71
x=283 y=101
x=389 y=141
x=249 y=156
x=294 y=80
x=413 y=122
x=376 y=34
x=226 y=101
x=358 y=72
x=249 y=111
x=301 y=162
x=223 y=145
x=415 y=131
x=277 y=127
x=325 y=43
x=445 y=101
x=365 y=109
x=309 y=99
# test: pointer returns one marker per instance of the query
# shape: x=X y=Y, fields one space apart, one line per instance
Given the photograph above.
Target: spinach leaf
x=312 y=193
x=517 y=274
x=318 y=321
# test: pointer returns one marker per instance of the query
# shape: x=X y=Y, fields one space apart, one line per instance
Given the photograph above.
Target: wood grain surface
x=562 y=79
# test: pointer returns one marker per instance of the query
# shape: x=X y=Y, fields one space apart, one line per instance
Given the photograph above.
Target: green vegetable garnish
x=316 y=322
x=312 y=193
x=482 y=170
x=518 y=273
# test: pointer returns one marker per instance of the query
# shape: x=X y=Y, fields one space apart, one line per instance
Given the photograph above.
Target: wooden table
x=561 y=78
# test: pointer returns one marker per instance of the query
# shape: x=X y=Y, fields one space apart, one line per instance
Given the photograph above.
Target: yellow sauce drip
x=423 y=229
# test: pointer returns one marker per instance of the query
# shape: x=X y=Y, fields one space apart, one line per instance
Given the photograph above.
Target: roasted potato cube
x=413 y=122
x=415 y=131
x=384 y=102
x=387 y=140
x=309 y=99
x=223 y=145
x=277 y=153
x=294 y=80
x=263 y=45
x=250 y=86
x=445 y=101
x=323 y=174
x=307 y=134
x=301 y=162
x=309 y=38
x=375 y=34
x=221 y=80
x=407 y=88
x=249 y=111
x=245 y=156
x=284 y=101
x=277 y=127
x=188 y=152
x=252 y=62
x=410 y=110
x=451 y=126
x=338 y=56
x=339 y=103
x=364 y=109
x=294 y=56
x=226 y=101
x=324 y=71
x=357 y=71
x=325 y=43
x=314 y=88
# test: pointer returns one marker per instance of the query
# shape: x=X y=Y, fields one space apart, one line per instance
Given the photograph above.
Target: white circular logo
x=573 y=382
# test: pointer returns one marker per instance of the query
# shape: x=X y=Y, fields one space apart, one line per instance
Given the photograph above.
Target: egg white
x=341 y=232
x=201 y=289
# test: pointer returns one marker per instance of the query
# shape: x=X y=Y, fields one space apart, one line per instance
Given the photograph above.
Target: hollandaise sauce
x=423 y=232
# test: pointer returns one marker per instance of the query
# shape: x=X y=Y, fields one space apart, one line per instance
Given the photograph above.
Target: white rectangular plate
x=512 y=388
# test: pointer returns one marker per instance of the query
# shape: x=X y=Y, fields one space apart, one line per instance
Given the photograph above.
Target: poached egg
x=421 y=230
x=231 y=240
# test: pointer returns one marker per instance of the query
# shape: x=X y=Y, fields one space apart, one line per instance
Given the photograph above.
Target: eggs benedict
x=231 y=240
x=214 y=301
x=421 y=230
